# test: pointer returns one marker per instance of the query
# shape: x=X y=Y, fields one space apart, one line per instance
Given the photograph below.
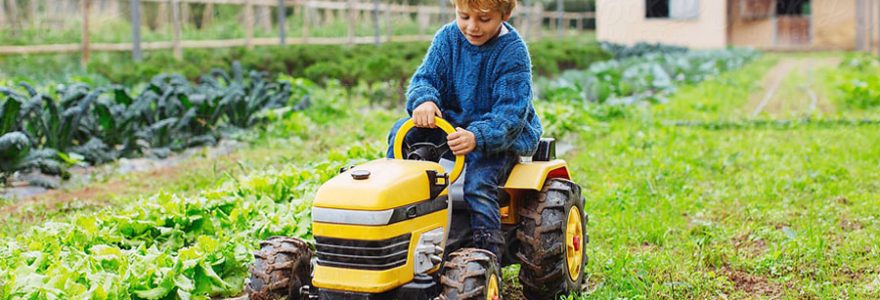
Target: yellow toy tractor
x=399 y=229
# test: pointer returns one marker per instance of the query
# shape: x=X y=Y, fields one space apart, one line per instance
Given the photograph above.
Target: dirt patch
x=848 y=225
x=107 y=182
x=512 y=291
x=646 y=247
x=750 y=283
x=771 y=82
x=97 y=194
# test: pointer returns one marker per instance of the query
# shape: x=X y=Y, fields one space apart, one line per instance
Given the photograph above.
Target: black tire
x=468 y=273
x=281 y=267
x=544 y=271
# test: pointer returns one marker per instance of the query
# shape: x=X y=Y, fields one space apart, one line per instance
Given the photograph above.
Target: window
x=672 y=9
x=656 y=9
x=793 y=7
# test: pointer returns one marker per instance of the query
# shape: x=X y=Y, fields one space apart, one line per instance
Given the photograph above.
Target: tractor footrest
x=325 y=294
x=423 y=287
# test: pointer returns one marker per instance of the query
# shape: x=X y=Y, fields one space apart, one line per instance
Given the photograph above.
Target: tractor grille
x=367 y=255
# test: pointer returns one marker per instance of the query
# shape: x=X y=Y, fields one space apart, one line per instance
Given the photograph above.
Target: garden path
x=790 y=89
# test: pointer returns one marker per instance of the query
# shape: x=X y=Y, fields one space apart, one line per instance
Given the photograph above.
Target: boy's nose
x=472 y=27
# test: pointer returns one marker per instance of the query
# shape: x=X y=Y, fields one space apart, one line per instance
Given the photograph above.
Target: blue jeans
x=485 y=173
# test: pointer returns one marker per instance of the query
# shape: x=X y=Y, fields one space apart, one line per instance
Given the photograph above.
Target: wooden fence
x=529 y=20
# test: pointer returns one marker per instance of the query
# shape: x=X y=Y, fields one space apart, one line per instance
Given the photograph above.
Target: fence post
x=539 y=17
x=560 y=18
x=352 y=21
x=33 y=13
x=185 y=13
x=377 y=28
x=264 y=17
x=875 y=11
x=208 y=14
x=136 y=30
x=282 y=28
x=86 y=5
x=526 y=22
x=249 y=24
x=329 y=16
x=2 y=13
x=307 y=20
x=175 y=23
x=161 y=13
x=422 y=18
x=389 y=22
x=444 y=11
x=860 y=25
x=13 y=15
x=870 y=26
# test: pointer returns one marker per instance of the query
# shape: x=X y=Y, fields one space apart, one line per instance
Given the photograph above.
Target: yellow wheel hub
x=492 y=292
x=574 y=250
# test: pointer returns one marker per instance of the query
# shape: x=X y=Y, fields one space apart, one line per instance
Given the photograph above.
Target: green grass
x=755 y=211
x=671 y=205
x=724 y=98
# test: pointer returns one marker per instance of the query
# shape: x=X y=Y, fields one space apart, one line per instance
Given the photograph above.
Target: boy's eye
x=463 y=17
x=485 y=20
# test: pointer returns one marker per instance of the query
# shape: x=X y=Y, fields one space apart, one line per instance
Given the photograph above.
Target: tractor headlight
x=429 y=251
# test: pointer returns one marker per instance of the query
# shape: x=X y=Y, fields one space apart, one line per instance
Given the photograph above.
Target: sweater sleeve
x=512 y=90
x=429 y=78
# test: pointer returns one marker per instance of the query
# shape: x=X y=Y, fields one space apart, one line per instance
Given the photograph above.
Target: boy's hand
x=461 y=142
x=423 y=115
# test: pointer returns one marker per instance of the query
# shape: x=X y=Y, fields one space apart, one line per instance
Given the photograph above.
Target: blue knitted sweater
x=485 y=89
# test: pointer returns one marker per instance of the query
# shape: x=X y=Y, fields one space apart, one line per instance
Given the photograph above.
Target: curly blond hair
x=504 y=6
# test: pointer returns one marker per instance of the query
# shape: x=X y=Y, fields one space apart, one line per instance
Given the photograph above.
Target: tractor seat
x=546 y=150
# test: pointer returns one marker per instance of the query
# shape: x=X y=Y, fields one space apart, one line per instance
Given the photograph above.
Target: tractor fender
x=531 y=175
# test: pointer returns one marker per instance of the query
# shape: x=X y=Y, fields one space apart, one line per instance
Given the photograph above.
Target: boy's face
x=477 y=26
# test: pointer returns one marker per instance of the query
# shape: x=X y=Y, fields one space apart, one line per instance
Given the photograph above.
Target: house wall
x=623 y=21
x=832 y=21
x=834 y=24
x=756 y=33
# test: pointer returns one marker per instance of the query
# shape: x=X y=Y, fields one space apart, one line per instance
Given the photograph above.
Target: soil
x=97 y=186
x=512 y=291
x=751 y=284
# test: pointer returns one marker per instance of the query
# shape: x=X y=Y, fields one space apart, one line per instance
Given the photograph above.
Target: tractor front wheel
x=471 y=274
x=552 y=236
x=281 y=267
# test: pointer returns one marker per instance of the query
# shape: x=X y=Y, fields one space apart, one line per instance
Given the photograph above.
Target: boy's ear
x=506 y=17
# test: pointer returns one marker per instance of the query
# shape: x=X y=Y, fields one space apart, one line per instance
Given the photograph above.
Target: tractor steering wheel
x=442 y=124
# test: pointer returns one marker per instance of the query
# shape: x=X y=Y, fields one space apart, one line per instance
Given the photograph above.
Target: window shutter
x=684 y=9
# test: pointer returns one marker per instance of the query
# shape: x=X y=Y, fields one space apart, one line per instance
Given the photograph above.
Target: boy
x=477 y=75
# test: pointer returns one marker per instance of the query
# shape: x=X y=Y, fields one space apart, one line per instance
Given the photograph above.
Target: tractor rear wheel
x=552 y=236
x=471 y=274
x=281 y=267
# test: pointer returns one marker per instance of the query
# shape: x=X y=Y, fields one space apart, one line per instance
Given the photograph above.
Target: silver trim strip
x=351 y=217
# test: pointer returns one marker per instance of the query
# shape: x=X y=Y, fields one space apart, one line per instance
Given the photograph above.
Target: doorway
x=793 y=22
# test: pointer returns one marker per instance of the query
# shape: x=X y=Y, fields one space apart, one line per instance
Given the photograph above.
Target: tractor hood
x=381 y=184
